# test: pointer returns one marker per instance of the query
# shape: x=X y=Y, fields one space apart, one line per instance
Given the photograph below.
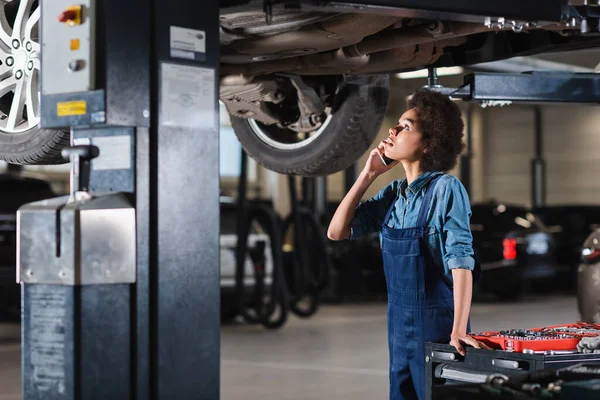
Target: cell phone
x=385 y=160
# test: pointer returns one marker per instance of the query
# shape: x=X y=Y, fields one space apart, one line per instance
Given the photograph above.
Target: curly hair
x=442 y=128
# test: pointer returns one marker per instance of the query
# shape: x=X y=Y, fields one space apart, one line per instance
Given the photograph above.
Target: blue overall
x=420 y=303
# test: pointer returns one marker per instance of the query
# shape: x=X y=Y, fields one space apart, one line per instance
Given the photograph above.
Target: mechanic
x=425 y=234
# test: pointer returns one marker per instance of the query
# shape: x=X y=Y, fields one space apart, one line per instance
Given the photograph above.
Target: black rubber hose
x=314 y=247
x=544 y=376
x=301 y=274
x=310 y=262
x=240 y=275
x=241 y=234
x=278 y=296
x=300 y=286
x=276 y=304
x=271 y=223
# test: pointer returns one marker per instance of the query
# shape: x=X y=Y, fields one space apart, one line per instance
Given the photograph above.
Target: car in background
x=15 y=190
x=588 y=282
x=570 y=225
x=514 y=247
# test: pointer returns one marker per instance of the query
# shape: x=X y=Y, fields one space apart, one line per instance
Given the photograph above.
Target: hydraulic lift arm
x=530 y=87
x=456 y=10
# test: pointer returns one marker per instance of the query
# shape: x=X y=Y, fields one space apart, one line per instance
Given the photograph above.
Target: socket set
x=562 y=338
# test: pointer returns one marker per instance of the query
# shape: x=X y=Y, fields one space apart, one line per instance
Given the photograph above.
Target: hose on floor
x=307 y=263
x=257 y=300
x=268 y=304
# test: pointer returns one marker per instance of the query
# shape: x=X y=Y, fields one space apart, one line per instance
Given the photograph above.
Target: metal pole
x=241 y=229
x=299 y=236
x=308 y=193
x=350 y=176
x=158 y=337
x=187 y=295
x=467 y=156
x=321 y=208
x=538 y=164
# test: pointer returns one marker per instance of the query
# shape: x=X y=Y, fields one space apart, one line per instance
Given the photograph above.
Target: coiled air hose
x=265 y=305
x=307 y=263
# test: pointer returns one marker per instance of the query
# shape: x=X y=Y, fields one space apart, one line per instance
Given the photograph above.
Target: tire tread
x=48 y=153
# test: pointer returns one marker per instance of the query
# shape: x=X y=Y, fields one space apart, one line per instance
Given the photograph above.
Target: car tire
x=21 y=139
x=36 y=146
x=354 y=123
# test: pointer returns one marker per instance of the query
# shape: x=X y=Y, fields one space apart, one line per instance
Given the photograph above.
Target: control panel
x=68 y=34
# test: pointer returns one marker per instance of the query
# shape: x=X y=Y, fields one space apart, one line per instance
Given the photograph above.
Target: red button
x=66 y=16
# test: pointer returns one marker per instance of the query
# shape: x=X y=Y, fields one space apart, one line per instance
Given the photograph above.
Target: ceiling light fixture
x=423 y=73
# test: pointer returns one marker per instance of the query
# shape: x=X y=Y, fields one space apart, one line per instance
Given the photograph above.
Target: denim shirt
x=448 y=220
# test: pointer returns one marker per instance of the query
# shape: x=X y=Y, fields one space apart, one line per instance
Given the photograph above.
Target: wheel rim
x=280 y=138
x=19 y=66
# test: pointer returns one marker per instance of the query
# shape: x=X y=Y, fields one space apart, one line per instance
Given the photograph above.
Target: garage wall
x=571 y=146
x=508 y=150
x=572 y=150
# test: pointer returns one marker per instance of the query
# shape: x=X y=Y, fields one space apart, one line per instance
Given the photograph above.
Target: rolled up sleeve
x=369 y=215
x=458 y=241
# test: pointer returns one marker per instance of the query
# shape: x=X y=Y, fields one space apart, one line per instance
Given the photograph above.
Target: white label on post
x=187 y=43
x=115 y=152
x=188 y=97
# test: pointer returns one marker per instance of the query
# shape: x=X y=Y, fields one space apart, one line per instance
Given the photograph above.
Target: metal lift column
x=538 y=164
x=467 y=157
x=184 y=193
x=137 y=84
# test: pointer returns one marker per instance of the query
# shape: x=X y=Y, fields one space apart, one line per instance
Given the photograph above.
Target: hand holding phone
x=385 y=160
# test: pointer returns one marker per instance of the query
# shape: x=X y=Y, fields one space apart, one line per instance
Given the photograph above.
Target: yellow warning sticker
x=68 y=108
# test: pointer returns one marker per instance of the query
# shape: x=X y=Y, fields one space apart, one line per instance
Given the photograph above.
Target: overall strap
x=426 y=204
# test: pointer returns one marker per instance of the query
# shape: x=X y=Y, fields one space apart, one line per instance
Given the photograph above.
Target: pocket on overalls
x=406 y=247
x=404 y=269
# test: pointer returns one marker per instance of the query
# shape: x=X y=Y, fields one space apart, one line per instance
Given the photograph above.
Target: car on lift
x=16 y=190
x=514 y=247
x=307 y=81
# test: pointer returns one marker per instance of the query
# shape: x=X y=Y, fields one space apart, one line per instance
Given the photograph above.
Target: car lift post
x=467 y=157
x=150 y=104
x=538 y=164
x=350 y=176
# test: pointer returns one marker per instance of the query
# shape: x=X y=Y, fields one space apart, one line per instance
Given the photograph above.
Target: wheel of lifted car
x=21 y=140
x=344 y=136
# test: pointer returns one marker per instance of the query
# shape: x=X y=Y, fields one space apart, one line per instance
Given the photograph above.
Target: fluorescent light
x=523 y=222
x=423 y=73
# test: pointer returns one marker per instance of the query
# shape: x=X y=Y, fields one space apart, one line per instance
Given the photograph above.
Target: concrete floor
x=341 y=353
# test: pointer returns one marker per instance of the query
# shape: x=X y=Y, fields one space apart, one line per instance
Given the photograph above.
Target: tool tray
x=557 y=337
x=444 y=364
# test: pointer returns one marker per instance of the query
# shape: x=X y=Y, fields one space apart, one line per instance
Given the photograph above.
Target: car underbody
x=306 y=82
x=260 y=48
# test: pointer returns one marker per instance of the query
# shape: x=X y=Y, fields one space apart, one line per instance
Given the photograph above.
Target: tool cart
x=548 y=362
